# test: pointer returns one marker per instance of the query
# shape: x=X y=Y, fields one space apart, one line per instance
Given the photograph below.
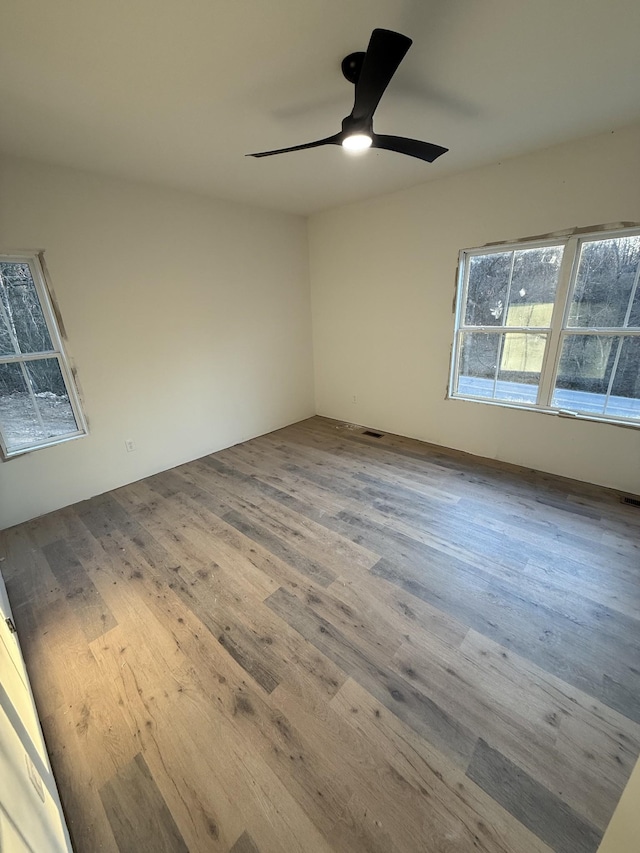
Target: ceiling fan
x=371 y=73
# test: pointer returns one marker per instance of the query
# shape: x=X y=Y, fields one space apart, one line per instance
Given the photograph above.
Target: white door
x=31 y=819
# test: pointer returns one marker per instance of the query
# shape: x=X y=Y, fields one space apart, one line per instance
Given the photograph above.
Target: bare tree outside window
x=38 y=403
x=553 y=327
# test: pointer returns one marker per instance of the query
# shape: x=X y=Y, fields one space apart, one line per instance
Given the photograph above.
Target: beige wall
x=188 y=321
x=382 y=284
x=188 y=318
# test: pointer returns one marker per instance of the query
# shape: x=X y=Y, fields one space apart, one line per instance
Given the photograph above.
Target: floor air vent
x=627 y=499
x=380 y=434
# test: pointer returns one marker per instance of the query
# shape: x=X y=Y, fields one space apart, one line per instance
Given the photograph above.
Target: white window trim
x=556 y=331
x=35 y=260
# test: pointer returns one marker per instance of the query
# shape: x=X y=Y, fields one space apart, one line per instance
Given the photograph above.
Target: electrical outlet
x=354 y=399
x=130 y=444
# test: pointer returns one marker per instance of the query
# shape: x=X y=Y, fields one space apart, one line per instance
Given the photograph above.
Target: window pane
x=21 y=302
x=488 y=289
x=584 y=373
x=634 y=317
x=6 y=345
x=52 y=399
x=606 y=273
x=533 y=286
x=18 y=418
x=520 y=366
x=624 y=401
x=478 y=362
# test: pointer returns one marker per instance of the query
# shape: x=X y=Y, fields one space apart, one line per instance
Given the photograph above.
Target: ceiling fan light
x=357 y=142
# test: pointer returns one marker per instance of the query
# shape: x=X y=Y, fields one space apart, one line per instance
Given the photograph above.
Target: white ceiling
x=177 y=91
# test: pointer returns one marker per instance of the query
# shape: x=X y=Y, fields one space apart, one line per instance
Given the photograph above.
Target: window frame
x=37 y=267
x=557 y=331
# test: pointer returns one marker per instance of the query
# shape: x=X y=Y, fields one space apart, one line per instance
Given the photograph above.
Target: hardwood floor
x=325 y=641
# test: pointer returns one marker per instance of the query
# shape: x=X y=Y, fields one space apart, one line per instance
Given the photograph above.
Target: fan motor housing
x=351 y=125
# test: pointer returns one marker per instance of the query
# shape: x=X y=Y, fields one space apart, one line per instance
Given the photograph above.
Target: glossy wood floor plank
x=538 y=809
x=322 y=641
x=137 y=813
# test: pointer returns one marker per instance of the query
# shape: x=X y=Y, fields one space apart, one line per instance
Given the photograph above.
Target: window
x=552 y=326
x=38 y=401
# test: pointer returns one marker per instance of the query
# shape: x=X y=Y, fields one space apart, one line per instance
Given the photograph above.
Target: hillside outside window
x=552 y=326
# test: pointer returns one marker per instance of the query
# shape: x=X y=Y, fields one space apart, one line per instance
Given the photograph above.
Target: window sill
x=21 y=451
x=559 y=413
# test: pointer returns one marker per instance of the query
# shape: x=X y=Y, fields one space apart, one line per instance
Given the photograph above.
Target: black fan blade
x=385 y=53
x=330 y=140
x=413 y=147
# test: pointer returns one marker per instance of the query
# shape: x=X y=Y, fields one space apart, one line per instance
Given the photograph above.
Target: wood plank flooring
x=328 y=642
